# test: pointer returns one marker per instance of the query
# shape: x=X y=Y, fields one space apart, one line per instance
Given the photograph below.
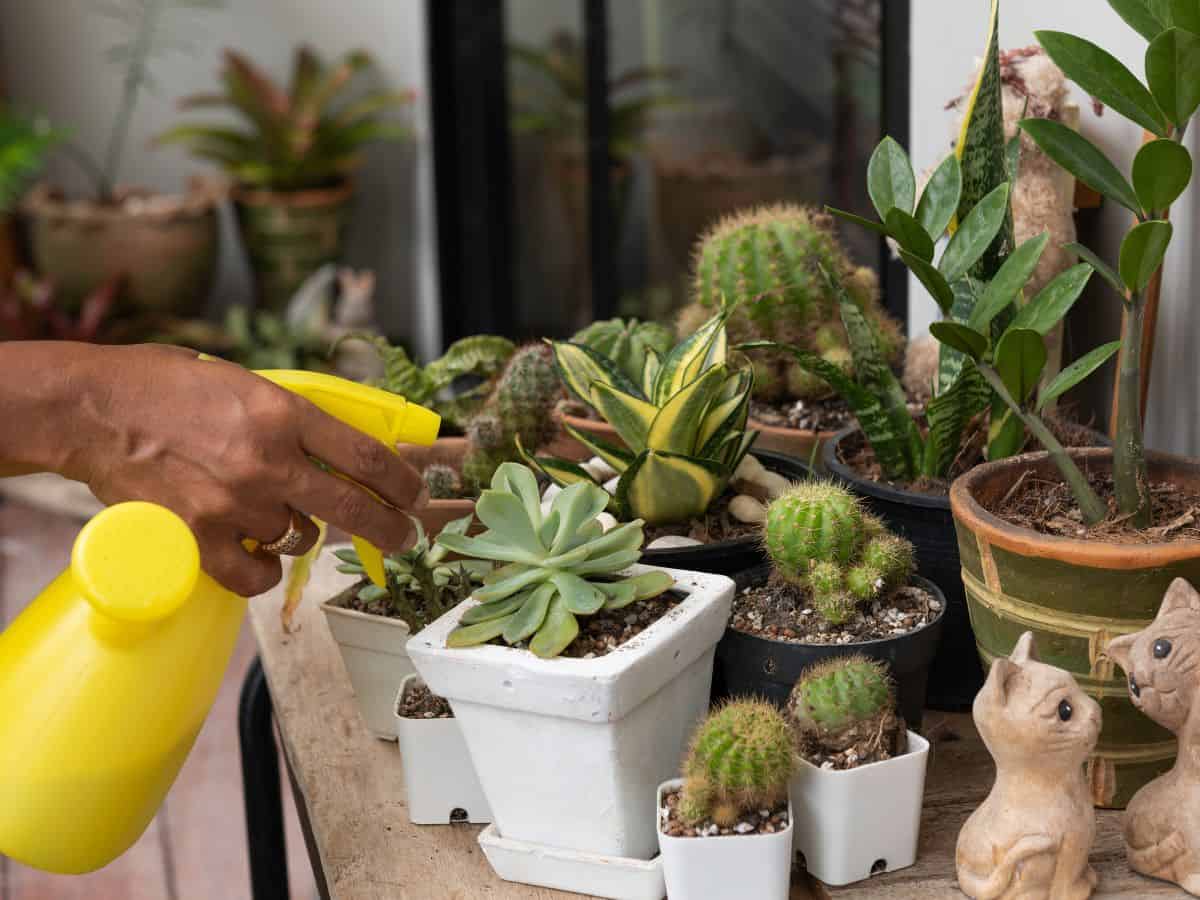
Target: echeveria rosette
x=557 y=566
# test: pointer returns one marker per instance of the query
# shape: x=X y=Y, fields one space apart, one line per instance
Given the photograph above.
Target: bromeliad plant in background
x=558 y=565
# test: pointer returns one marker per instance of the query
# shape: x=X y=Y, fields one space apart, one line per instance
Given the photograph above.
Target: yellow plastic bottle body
x=105 y=681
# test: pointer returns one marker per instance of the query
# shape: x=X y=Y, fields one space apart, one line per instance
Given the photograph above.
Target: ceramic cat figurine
x=1162 y=821
x=1030 y=838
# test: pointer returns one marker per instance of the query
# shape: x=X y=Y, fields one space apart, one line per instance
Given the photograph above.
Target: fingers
x=247 y=574
x=349 y=507
x=267 y=528
x=361 y=458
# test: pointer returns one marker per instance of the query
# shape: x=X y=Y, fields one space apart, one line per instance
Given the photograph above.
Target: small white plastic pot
x=439 y=780
x=854 y=823
x=376 y=661
x=718 y=868
x=569 y=751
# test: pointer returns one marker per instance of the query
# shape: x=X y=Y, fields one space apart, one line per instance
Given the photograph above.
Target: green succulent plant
x=683 y=424
x=482 y=356
x=558 y=566
x=627 y=343
x=740 y=759
x=422 y=584
x=24 y=144
x=308 y=135
x=839 y=694
x=820 y=539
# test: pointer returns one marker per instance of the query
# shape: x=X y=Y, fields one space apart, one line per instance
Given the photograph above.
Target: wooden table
x=350 y=784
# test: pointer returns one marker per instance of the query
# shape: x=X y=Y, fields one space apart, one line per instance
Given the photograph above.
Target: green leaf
x=615 y=455
x=890 y=179
x=1105 y=77
x=529 y=618
x=877 y=227
x=1083 y=159
x=1053 y=301
x=677 y=427
x=496 y=609
x=1078 y=371
x=1185 y=14
x=578 y=596
x=666 y=487
x=1020 y=358
x=1139 y=17
x=948 y=415
x=933 y=280
x=688 y=358
x=629 y=415
x=1173 y=70
x=960 y=337
x=1161 y=172
x=1142 y=253
x=1008 y=283
x=558 y=630
x=480 y=633
x=1012 y=155
x=909 y=234
x=975 y=234
x=579 y=367
x=1104 y=269
x=506 y=515
x=939 y=200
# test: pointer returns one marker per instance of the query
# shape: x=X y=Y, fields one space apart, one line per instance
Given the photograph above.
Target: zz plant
x=683 y=424
x=557 y=566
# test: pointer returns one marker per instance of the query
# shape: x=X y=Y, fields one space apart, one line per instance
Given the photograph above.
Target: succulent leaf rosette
x=684 y=424
x=557 y=566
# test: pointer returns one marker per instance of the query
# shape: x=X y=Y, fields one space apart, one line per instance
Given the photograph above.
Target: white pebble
x=745 y=508
x=671 y=541
x=743 y=828
x=598 y=469
x=607 y=521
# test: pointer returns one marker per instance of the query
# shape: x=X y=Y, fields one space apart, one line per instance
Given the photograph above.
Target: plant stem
x=1094 y=509
x=1130 y=477
x=135 y=76
x=88 y=166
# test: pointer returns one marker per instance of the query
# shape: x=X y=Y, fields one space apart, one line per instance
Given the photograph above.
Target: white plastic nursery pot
x=376 y=661
x=570 y=751
x=439 y=780
x=851 y=824
x=718 y=868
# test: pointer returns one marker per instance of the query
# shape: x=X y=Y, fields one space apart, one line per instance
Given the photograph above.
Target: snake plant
x=684 y=425
x=558 y=565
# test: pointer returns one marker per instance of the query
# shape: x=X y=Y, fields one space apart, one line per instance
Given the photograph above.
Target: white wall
x=947 y=38
x=51 y=61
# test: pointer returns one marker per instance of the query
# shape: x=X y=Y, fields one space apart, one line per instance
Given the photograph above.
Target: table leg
x=261 y=789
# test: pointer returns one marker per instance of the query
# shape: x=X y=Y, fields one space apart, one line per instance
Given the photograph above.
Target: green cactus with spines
x=520 y=409
x=766 y=260
x=835 y=607
x=442 y=482
x=891 y=557
x=740 y=759
x=627 y=343
x=840 y=693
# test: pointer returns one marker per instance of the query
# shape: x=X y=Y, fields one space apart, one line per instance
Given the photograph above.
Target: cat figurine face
x=1029 y=713
x=1162 y=662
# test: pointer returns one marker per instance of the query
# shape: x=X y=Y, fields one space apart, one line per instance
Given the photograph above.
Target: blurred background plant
x=30 y=310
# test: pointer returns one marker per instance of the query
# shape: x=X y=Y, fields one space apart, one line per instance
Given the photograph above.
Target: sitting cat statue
x=1031 y=837
x=1162 y=821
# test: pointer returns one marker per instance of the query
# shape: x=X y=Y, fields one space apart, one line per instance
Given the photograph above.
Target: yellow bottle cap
x=136 y=562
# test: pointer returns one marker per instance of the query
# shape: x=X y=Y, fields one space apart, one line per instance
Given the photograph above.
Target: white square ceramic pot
x=376 y=661
x=854 y=823
x=439 y=780
x=570 y=751
x=735 y=865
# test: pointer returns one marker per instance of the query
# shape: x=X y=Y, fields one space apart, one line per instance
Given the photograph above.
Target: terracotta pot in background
x=164 y=245
x=1075 y=596
x=805 y=446
x=446 y=451
x=288 y=235
x=573 y=449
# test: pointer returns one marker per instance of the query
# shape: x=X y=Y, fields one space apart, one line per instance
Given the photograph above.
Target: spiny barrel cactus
x=767 y=259
x=740 y=759
x=819 y=538
x=520 y=409
x=839 y=694
x=627 y=343
x=557 y=564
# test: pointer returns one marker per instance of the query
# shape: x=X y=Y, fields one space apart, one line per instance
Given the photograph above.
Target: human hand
x=229 y=452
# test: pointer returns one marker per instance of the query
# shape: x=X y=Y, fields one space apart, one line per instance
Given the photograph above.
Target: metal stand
x=261 y=789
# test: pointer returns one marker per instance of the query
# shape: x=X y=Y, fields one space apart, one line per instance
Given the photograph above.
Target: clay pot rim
x=301 y=198
x=198 y=201
x=1075 y=551
x=822 y=436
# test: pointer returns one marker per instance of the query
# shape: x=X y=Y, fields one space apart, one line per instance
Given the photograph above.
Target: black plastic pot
x=925 y=520
x=729 y=557
x=749 y=665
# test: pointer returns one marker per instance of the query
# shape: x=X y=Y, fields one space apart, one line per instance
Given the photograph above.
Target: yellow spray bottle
x=107 y=677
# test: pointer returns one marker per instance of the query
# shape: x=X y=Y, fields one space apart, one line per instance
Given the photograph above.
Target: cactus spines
x=740 y=759
x=891 y=557
x=835 y=607
x=485 y=432
x=815 y=521
x=838 y=694
x=442 y=482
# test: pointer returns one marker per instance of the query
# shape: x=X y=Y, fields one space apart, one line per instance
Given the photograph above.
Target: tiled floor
x=196 y=847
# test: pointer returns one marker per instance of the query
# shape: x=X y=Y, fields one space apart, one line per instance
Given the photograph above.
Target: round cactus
x=526 y=394
x=891 y=557
x=442 y=482
x=767 y=259
x=813 y=522
x=486 y=432
x=740 y=758
x=839 y=694
x=835 y=607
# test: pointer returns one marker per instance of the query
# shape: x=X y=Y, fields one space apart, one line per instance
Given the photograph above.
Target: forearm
x=50 y=405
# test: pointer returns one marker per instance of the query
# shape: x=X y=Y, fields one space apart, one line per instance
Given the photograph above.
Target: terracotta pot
x=1075 y=596
x=805 y=446
x=447 y=451
x=288 y=235
x=164 y=245
x=573 y=449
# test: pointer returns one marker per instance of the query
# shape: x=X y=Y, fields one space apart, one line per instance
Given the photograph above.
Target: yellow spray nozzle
x=387 y=417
